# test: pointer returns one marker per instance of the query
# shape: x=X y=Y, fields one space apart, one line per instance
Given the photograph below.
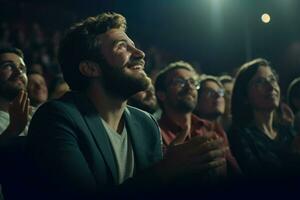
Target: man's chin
x=17 y=86
x=11 y=93
x=186 y=106
x=144 y=83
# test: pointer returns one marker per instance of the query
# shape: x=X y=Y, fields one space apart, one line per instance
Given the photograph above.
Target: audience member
x=37 y=89
x=260 y=143
x=145 y=100
x=210 y=107
x=211 y=101
x=176 y=89
x=14 y=116
x=293 y=99
x=89 y=141
x=14 y=104
x=228 y=83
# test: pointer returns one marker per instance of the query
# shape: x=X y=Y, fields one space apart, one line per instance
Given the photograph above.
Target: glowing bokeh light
x=265 y=18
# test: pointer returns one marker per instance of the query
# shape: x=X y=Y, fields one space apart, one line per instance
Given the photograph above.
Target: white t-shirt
x=4 y=122
x=123 y=152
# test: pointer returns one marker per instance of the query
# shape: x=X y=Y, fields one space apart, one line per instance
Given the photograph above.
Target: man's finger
x=20 y=97
x=202 y=168
x=210 y=156
x=27 y=107
x=24 y=101
x=207 y=146
x=197 y=146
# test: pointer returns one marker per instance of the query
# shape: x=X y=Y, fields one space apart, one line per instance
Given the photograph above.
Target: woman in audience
x=262 y=145
x=293 y=98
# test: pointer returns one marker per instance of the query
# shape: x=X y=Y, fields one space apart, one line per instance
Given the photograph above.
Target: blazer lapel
x=134 y=130
x=99 y=134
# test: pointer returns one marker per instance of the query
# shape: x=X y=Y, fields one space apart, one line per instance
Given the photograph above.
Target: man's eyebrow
x=6 y=61
x=11 y=62
x=123 y=40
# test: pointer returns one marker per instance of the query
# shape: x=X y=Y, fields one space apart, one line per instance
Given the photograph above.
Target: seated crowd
x=105 y=128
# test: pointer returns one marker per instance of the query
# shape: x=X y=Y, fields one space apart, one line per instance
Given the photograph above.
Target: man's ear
x=89 y=69
x=160 y=95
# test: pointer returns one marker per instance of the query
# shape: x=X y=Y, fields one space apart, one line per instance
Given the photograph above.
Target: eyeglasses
x=212 y=93
x=11 y=66
x=261 y=82
x=181 y=83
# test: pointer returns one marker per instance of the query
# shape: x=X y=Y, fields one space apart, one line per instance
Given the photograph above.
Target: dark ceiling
x=218 y=34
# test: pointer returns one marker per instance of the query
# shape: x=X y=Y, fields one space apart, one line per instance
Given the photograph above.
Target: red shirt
x=169 y=130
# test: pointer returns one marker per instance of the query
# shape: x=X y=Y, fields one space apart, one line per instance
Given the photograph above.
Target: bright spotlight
x=265 y=18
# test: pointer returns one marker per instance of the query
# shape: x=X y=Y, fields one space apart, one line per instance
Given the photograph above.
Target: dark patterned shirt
x=258 y=155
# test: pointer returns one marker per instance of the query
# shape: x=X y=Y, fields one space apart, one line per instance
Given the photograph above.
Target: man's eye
x=8 y=65
x=23 y=69
x=193 y=81
x=122 y=45
x=179 y=81
x=273 y=79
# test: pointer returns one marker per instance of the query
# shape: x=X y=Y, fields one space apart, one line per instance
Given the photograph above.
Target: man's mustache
x=136 y=62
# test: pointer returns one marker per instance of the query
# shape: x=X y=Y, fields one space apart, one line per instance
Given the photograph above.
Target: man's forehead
x=113 y=35
x=11 y=57
x=35 y=77
x=211 y=84
x=181 y=72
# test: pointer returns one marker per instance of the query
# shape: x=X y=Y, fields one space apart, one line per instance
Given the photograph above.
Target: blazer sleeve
x=55 y=154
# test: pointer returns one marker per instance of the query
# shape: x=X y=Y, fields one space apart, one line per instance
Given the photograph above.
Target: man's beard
x=121 y=85
x=9 y=91
x=185 y=106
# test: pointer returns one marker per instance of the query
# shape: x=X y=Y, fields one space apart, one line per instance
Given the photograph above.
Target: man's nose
x=138 y=53
x=17 y=70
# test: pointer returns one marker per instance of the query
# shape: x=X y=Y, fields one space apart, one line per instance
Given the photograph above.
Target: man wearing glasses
x=211 y=101
x=177 y=92
x=210 y=107
x=14 y=103
x=14 y=118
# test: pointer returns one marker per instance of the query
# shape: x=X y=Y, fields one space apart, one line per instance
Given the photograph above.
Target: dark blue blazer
x=70 y=151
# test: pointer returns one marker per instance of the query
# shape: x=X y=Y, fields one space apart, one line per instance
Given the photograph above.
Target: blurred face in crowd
x=59 y=90
x=123 y=65
x=145 y=100
x=181 y=91
x=263 y=90
x=37 y=89
x=211 y=102
x=12 y=75
x=36 y=67
x=228 y=88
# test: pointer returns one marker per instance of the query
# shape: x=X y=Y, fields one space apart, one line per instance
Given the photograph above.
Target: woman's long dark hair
x=242 y=112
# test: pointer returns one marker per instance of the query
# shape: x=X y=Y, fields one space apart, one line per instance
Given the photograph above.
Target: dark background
x=217 y=36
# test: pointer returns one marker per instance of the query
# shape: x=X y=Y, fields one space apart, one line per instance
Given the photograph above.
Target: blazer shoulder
x=62 y=104
x=55 y=110
x=139 y=114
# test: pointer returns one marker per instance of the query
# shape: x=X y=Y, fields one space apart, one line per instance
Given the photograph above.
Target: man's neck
x=212 y=118
x=4 y=104
x=182 y=119
x=109 y=108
